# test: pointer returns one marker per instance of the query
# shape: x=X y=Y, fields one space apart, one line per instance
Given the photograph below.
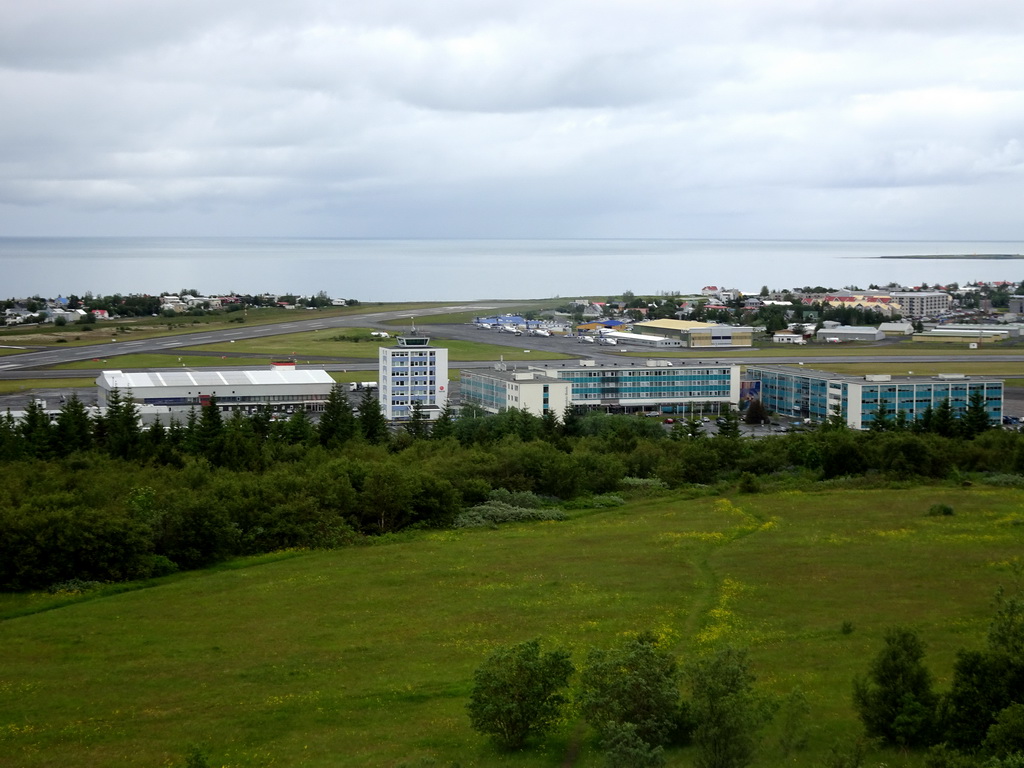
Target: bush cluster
x=632 y=697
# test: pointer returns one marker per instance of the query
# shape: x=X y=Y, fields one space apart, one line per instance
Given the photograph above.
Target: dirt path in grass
x=705 y=599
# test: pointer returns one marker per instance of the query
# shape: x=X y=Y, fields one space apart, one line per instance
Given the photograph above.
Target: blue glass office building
x=806 y=393
x=651 y=386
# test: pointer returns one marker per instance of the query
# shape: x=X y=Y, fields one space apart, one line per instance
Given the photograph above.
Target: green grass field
x=364 y=656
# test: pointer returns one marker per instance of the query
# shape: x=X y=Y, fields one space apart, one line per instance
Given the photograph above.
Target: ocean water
x=467 y=270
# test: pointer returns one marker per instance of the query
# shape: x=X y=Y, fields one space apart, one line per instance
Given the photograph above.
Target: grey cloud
x=564 y=118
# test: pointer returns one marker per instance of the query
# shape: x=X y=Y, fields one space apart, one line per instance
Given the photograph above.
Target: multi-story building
x=500 y=389
x=654 y=386
x=413 y=371
x=815 y=395
x=922 y=303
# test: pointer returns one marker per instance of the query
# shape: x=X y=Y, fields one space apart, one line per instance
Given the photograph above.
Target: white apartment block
x=410 y=372
x=922 y=303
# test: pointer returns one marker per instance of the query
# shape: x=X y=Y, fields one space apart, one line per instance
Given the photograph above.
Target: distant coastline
x=424 y=270
x=977 y=256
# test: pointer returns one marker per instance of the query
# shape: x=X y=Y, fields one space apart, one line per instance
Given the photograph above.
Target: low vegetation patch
x=494 y=513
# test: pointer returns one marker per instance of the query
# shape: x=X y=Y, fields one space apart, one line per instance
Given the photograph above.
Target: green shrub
x=636 y=683
x=527 y=499
x=1006 y=735
x=643 y=484
x=517 y=693
x=938 y=510
x=601 y=501
x=623 y=748
x=495 y=513
x=749 y=483
x=73 y=587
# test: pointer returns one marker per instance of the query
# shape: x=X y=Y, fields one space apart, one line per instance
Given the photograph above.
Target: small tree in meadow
x=727 y=712
x=636 y=683
x=895 y=699
x=517 y=693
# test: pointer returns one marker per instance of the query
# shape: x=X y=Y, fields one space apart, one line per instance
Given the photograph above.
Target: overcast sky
x=888 y=119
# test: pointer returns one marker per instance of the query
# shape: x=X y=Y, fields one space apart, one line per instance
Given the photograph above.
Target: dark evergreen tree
x=337 y=422
x=571 y=426
x=444 y=425
x=241 y=445
x=260 y=422
x=943 y=421
x=756 y=413
x=418 y=426
x=729 y=423
x=175 y=433
x=121 y=425
x=74 y=427
x=190 y=433
x=900 y=423
x=11 y=445
x=926 y=421
x=209 y=432
x=155 y=437
x=835 y=422
x=549 y=425
x=298 y=429
x=36 y=431
x=975 y=419
x=880 y=421
x=372 y=424
x=895 y=699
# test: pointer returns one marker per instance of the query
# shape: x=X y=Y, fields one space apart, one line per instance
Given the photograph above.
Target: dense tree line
x=104 y=499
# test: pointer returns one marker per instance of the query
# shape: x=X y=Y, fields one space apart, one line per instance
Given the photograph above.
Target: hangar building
x=279 y=388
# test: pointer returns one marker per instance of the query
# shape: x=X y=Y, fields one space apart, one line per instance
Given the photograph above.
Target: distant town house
x=172 y=303
x=208 y=302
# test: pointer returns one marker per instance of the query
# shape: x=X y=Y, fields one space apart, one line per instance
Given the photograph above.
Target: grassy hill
x=364 y=656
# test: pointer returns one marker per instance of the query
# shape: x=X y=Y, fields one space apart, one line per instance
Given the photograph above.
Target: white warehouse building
x=279 y=388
